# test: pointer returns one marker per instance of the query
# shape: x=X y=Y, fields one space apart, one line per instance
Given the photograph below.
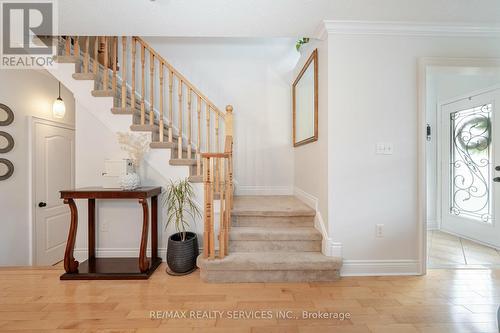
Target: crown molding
x=405 y=29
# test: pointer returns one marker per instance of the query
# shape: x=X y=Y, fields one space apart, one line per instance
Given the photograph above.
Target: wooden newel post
x=229 y=146
x=229 y=120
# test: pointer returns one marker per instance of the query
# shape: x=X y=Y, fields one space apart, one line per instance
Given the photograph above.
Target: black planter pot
x=181 y=255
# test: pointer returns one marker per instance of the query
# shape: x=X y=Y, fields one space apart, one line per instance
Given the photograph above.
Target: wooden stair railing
x=129 y=69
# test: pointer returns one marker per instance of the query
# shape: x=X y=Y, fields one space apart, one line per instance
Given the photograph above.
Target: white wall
x=444 y=83
x=373 y=92
x=253 y=75
x=311 y=160
x=28 y=93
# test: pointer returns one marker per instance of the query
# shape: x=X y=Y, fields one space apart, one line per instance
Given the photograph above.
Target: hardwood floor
x=448 y=251
x=35 y=300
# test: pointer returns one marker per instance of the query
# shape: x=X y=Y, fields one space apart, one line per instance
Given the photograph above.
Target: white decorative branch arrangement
x=136 y=145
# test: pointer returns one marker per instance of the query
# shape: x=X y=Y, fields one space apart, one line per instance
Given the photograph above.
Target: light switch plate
x=384 y=148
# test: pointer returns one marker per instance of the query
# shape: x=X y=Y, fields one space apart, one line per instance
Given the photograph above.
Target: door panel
x=53 y=171
x=470 y=150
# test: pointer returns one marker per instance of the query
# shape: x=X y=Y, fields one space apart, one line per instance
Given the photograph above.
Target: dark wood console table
x=111 y=268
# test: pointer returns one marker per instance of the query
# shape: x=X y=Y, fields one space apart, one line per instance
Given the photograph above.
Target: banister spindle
x=68 y=45
x=132 y=93
x=179 y=93
x=198 y=143
x=76 y=48
x=170 y=105
x=207 y=108
x=161 y=124
x=208 y=209
x=227 y=203
x=143 y=85
x=86 y=57
x=115 y=58
x=217 y=161
x=222 y=231
x=212 y=231
x=96 y=55
x=189 y=123
x=124 y=73
x=151 y=88
x=105 y=80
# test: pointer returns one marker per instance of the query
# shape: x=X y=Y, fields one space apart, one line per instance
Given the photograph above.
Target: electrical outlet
x=379 y=231
x=104 y=226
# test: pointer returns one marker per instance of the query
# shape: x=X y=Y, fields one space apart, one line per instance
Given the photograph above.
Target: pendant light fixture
x=59 y=109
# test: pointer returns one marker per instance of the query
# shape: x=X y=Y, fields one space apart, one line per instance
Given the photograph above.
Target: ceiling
x=257 y=18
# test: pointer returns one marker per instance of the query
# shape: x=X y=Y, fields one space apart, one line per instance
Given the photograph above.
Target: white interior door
x=53 y=170
x=470 y=154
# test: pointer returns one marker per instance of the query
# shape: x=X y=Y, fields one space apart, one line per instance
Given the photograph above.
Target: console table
x=111 y=268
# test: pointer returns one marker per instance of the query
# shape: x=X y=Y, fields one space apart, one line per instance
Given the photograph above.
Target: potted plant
x=182 y=247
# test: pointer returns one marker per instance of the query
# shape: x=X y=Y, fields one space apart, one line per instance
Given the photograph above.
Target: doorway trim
x=31 y=179
x=422 y=65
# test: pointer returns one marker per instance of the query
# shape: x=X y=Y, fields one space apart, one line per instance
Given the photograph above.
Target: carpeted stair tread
x=273 y=233
x=269 y=261
x=272 y=205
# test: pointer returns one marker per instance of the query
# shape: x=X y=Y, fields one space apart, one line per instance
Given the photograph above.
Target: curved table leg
x=143 y=261
x=70 y=264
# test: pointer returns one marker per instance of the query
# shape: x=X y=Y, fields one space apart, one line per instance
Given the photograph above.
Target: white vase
x=130 y=181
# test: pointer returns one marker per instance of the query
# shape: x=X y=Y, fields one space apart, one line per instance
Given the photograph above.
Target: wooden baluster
x=207 y=109
x=96 y=55
x=170 y=105
x=161 y=124
x=132 y=93
x=68 y=45
x=151 y=89
x=227 y=203
x=86 y=58
x=217 y=174
x=115 y=58
x=143 y=85
x=207 y=209
x=198 y=144
x=124 y=73
x=222 y=231
x=189 y=124
x=76 y=48
x=212 y=232
x=106 y=73
x=179 y=93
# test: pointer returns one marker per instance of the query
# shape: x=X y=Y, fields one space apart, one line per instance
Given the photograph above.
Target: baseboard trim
x=329 y=247
x=379 y=267
x=263 y=190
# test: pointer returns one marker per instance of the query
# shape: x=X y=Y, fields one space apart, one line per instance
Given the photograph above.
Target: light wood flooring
x=446 y=250
x=35 y=300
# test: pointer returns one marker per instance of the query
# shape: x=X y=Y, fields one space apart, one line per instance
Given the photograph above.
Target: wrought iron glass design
x=470 y=163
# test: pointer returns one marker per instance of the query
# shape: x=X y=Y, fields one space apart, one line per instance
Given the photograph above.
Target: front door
x=53 y=170
x=470 y=167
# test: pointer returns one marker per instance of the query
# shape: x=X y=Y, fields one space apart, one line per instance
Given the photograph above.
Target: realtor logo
x=27 y=30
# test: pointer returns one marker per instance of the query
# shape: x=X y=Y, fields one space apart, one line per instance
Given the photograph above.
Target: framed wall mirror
x=305 y=103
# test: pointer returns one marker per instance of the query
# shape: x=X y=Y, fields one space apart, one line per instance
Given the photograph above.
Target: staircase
x=247 y=238
x=272 y=239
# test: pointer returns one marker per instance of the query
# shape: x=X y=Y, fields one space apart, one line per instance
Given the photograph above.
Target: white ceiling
x=257 y=18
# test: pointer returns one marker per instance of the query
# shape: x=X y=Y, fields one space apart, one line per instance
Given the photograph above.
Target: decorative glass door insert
x=470 y=165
